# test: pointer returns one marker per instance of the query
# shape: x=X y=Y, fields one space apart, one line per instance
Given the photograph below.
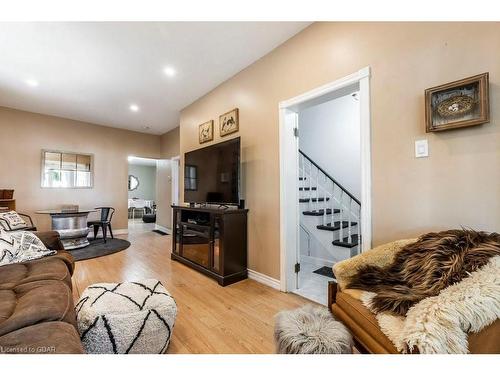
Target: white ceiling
x=94 y=71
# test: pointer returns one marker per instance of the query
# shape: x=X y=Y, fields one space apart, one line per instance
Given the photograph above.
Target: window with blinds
x=66 y=170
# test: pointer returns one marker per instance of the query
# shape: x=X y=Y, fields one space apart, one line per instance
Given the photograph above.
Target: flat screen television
x=212 y=174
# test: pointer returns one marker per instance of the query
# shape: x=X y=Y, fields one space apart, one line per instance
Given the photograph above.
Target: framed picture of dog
x=457 y=104
x=206 y=131
x=229 y=123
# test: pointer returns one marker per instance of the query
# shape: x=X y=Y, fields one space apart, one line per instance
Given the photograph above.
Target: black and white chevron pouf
x=129 y=317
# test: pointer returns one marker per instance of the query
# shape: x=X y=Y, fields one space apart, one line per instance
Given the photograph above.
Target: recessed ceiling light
x=169 y=71
x=31 y=82
x=134 y=107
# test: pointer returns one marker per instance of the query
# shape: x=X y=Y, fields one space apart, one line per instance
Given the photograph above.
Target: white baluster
x=341 y=215
x=331 y=200
x=317 y=191
x=301 y=174
x=332 y=218
x=310 y=182
x=325 y=203
x=349 y=239
x=359 y=228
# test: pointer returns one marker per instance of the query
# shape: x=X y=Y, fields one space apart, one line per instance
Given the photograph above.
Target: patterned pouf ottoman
x=129 y=317
x=311 y=330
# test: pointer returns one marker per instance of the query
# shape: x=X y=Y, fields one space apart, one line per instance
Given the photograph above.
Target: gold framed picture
x=457 y=104
x=229 y=123
x=206 y=131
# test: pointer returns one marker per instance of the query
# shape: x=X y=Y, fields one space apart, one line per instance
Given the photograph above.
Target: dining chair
x=104 y=223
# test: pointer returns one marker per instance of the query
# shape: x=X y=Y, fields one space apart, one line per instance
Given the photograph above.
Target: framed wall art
x=206 y=131
x=457 y=104
x=229 y=122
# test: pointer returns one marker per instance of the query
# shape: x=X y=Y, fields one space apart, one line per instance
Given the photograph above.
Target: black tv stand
x=212 y=241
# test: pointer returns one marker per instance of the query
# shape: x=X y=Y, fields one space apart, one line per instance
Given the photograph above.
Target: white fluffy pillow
x=21 y=246
x=12 y=221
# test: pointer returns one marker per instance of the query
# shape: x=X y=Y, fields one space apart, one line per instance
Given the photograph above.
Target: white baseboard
x=163 y=229
x=99 y=233
x=264 y=279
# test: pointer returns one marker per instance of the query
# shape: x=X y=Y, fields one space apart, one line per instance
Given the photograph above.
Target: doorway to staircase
x=325 y=182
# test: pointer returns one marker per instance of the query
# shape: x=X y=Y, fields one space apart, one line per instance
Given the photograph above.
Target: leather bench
x=369 y=338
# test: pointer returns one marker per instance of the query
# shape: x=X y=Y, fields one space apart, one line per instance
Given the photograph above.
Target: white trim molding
x=115 y=232
x=175 y=168
x=263 y=279
x=163 y=229
x=288 y=148
x=366 y=161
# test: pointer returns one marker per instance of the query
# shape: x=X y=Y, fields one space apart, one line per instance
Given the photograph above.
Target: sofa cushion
x=35 y=302
x=43 y=338
x=57 y=267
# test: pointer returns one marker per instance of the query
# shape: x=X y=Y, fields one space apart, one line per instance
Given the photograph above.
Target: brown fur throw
x=423 y=268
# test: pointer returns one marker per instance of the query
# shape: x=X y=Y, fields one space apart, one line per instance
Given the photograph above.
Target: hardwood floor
x=211 y=319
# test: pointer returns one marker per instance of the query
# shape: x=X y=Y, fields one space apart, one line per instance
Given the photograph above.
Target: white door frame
x=289 y=179
x=175 y=169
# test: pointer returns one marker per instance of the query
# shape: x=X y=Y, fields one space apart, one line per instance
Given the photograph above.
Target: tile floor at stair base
x=311 y=285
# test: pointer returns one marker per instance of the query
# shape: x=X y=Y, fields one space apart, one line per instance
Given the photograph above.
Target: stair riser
x=312 y=222
x=321 y=187
x=322 y=242
x=338 y=227
x=305 y=207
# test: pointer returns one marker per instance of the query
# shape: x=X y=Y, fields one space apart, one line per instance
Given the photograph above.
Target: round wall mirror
x=133 y=182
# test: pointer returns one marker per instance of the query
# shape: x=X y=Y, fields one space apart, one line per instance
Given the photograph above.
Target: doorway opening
x=142 y=194
x=325 y=183
x=153 y=186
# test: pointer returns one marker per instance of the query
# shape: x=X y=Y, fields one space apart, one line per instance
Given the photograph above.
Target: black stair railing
x=328 y=198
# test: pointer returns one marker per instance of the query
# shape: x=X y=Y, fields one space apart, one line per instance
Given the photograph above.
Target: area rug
x=98 y=248
x=325 y=271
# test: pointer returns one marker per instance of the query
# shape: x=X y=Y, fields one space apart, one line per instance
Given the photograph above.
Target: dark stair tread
x=345 y=241
x=336 y=225
x=305 y=200
x=307 y=188
x=302 y=178
x=320 y=212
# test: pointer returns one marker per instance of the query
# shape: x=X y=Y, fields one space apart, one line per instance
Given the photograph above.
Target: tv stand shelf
x=212 y=241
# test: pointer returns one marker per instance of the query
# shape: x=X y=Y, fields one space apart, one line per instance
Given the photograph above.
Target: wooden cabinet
x=9 y=204
x=212 y=241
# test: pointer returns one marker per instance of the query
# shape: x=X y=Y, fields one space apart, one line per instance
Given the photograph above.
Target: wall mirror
x=133 y=182
x=66 y=170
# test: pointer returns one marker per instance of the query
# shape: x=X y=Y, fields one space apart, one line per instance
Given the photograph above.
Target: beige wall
x=459 y=184
x=22 y=137
x=169 y=144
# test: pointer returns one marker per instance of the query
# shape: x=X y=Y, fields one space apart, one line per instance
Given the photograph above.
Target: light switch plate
x=421 y=148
